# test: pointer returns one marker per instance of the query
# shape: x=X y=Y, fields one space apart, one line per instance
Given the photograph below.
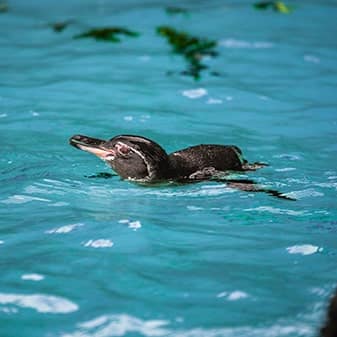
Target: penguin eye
x=122 y=149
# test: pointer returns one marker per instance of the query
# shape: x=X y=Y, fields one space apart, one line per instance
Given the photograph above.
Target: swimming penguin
x=139 y=158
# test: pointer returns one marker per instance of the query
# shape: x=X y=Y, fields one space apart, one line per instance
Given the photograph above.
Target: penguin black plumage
x=139 y=158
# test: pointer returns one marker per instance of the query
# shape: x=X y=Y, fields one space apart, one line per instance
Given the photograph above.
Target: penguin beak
x=92 y=145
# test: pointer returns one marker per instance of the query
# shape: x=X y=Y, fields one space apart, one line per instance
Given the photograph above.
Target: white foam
x=309 y=192
x=275 y=210
x=233 y=296
x=285 y=169
x=3 y=115
x=195 y=93
x=22 y=199
x=237 y=295
x=122 y=325
x=135 y=225
x=288 y=156
x=64 y=229
x=124 y=221
x=32 y=277
x=194 y=208
x=304 y=249
x=206 y=190
x=131 y=224
x=100 y=243
x=2 y=242
x=40 y=303
x=234 y=43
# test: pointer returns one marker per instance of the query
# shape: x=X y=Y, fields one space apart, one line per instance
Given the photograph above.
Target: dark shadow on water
x=107 y=34
x=102 y=175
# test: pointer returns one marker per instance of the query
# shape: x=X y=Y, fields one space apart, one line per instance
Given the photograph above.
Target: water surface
x=96 y=257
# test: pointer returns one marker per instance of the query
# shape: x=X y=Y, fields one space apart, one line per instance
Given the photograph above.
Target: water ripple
x=40 y=303
x=275 y=210
x=122 y=325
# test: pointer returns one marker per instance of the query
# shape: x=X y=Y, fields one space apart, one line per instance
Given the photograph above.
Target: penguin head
x=131 y=157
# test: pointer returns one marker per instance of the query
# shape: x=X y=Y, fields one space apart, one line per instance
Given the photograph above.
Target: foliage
x=277 y=6
x=192 y=48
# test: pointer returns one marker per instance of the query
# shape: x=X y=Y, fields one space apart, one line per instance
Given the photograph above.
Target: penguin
x=141 y=159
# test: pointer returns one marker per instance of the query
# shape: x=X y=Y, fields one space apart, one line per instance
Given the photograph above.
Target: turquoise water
x=97 y=257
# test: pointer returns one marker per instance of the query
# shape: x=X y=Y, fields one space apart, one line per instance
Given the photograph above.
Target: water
x=96 y=257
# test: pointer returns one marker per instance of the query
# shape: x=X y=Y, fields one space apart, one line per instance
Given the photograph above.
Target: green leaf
x=278 y=6
x=281 y=7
